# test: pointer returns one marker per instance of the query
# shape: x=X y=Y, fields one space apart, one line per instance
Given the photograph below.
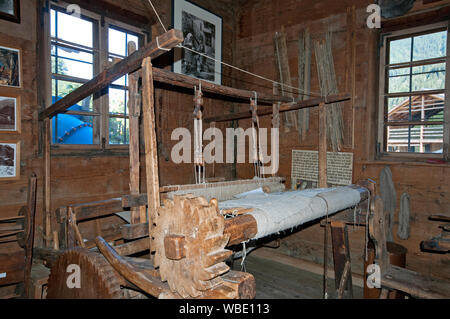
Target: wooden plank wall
x=78 y=179
x=427 y=184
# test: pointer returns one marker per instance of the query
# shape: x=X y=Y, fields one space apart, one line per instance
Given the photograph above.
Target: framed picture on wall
x=9 y=160
x=9 y=67
x=10 y=10
x=9 y=114
x=202 y=32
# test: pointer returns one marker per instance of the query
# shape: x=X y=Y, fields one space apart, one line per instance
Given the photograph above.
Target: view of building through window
x=415 y=93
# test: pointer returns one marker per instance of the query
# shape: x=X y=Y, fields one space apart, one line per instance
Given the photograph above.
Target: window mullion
x=446 y=147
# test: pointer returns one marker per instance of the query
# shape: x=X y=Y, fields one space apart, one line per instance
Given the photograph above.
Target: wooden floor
x=275 y=280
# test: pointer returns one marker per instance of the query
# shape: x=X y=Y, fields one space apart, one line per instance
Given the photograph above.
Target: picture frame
x=10 y=62
x=9 y=160
x=10 y=10
x=10 y=115
x=202 y=31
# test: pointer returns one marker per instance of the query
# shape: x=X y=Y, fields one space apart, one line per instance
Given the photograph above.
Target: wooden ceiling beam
x=416 y=19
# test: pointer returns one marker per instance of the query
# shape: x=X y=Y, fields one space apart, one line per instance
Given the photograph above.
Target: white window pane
x=75 y=69
x=74 y=30
x=53 y=23
x=400 y=51
x=117 y=42
x=117 y=101
x=399 y=84
x=118 y=131
x=430 y=46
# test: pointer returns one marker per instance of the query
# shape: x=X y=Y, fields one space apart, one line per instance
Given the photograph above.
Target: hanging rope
x=300 y=92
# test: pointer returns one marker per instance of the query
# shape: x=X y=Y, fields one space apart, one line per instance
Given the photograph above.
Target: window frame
x=100 y=50
x=382 y=120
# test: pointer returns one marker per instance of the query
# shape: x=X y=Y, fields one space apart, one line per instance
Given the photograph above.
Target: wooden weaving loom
x=186 y=234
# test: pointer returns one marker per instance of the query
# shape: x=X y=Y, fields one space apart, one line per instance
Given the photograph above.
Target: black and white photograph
x=9 y=67
x=8 y=160
x=9 y=115
x=10 y=10
x=202 y=31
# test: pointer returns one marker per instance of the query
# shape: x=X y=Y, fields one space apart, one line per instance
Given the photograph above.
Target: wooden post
x=138 y=214
x=47 y=186
x=29 y=232
x=341 y=256
x=322 y=146
x=151 y=151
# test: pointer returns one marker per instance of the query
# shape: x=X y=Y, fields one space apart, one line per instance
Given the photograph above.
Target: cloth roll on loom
x=276 y=212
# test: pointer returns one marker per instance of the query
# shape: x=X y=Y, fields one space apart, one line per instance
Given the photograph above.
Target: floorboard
x=275 y=280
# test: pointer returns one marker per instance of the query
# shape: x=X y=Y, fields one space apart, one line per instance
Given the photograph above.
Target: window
x=413 y=91
x=81 y=47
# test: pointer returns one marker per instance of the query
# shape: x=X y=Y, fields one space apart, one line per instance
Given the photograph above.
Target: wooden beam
x=97 y=209
x=134 y=231
x=29 y=232
x=286 y=107
x=151 y=150
x=322 y=146
x=167 y=77
x=143 y=280
x=240 y=229
x=115 y=12
x=138 y=214
x=129 y=64
x=417 y=19
x=341 y=256
x=47 y=182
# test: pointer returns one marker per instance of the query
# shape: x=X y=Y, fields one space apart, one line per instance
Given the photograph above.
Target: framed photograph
x=10 y=10
x=202 y=32
x=9 y=114
x=9 y=67
x=9 y=160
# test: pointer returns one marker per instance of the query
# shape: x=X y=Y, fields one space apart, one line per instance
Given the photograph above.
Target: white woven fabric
x=281 y=211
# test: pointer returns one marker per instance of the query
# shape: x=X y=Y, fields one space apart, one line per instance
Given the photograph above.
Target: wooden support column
x=341 y=257
x=47 y=187
x=138 y=214
x=322 y=146
x=29 y=232
x=151 y=151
